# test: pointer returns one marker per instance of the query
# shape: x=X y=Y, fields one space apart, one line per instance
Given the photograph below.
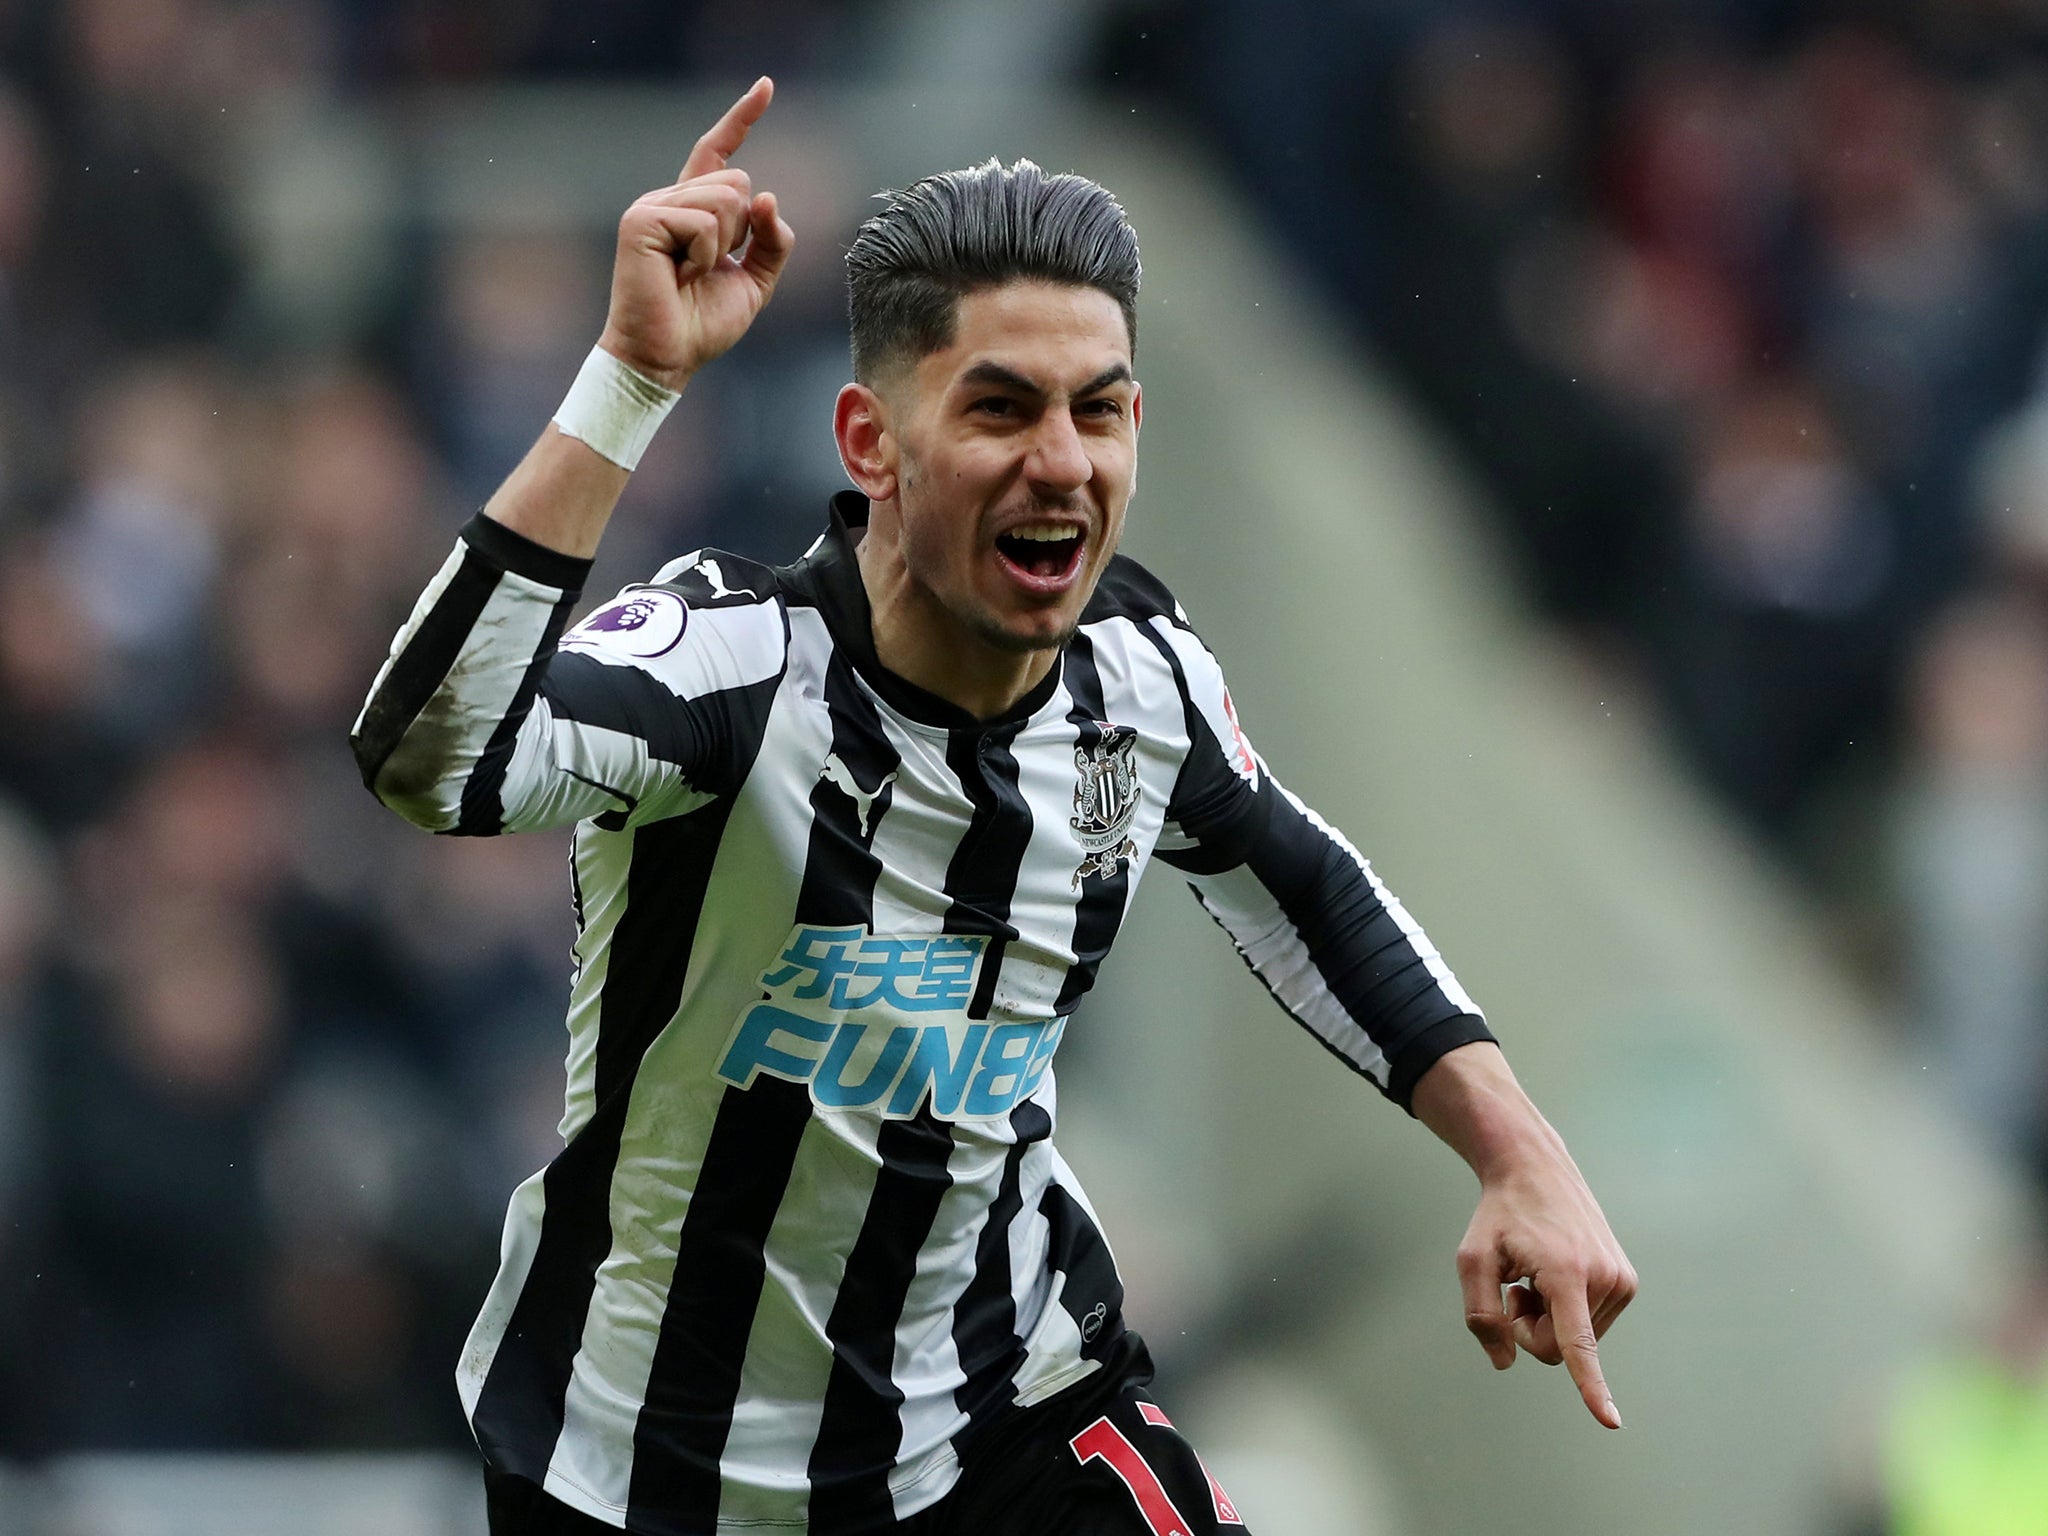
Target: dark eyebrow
x=1001 y=378
x=1115 y=373
x=986 y=373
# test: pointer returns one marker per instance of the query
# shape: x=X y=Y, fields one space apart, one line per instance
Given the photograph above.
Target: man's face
x=1017 y=453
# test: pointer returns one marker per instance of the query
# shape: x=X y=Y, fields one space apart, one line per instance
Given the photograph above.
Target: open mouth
x=1045 y=552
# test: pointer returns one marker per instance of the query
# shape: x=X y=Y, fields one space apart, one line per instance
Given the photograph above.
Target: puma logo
x=719 y=589
x=863 y=799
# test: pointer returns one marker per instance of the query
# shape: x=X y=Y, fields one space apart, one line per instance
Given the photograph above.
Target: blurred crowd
x=1738 y=307
x=270 y=1061
x=1739 y=311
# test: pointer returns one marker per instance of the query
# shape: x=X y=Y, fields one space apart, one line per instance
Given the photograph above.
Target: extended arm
x=1303 y=906
x=1340 y=953
x=1536 y=1221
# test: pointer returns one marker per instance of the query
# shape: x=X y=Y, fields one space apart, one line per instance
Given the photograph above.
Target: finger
x=729 y=132
x=1531 y=1321
x=1524 y=1303
x=1618 y=1295
x=772 y=242
x=1534 y=1330
x=728 y=205
x=678 y=193
x=687 y=236
x=1479 y=1276
x=1576 y=1341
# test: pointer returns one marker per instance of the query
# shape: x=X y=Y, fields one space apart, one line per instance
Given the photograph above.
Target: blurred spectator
x=157 y=1067
x=1779 y=645
x=345 y=498
x=29 y=466
x=137 y=549
x=1972 y=824
x=1481 y=165
x=1905 y=303
x=135 y=90
x=1973 y=864
x=29 y=911
x=29 y=904
x=65 y=750
x=368 y=1285
x=1967 y=1451
x=523 y=307
x=209 y=826
x=488 y=939
x=2012 y=489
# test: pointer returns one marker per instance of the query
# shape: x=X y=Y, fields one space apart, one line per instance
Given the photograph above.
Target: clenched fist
x=682 y=290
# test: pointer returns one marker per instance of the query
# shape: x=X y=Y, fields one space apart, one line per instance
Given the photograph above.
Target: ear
x=1137 y=404
x=867 y=447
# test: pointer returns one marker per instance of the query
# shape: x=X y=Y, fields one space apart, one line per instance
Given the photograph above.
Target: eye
x=1106 y=405
x=995 y=405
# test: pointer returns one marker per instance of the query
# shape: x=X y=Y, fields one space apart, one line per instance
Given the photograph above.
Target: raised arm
x=683 y=292
x=476 y=725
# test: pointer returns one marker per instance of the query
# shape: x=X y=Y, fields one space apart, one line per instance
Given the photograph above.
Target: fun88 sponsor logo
x=879 y=1022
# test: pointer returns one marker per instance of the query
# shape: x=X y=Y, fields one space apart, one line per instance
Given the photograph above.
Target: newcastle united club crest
x=1105 y=800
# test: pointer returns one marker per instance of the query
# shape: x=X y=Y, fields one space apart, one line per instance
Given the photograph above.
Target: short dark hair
x=949 y=235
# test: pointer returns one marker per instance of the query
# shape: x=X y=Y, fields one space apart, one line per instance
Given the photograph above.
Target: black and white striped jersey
x=808 y=1232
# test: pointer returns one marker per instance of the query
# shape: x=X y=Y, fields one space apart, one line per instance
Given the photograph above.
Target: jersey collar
x=829 y=575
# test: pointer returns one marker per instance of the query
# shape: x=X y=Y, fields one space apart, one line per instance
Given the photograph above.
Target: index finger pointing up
x=729 y=132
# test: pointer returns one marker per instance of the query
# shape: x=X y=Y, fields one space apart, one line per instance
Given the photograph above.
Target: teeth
x=1045 y=533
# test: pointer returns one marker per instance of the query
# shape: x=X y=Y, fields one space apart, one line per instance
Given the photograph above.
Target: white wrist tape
x=614 y=409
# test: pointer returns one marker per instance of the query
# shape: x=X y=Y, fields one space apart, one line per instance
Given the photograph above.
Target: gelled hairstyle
x=952 y=234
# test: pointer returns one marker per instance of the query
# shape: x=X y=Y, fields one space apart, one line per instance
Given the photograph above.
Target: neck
x=923 y=644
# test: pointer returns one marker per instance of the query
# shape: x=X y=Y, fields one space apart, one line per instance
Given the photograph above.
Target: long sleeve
x=1303 y=906
x=487 y=718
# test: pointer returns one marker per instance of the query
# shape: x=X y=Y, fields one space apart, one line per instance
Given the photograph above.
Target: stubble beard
x=977 y=620
x=985 y=627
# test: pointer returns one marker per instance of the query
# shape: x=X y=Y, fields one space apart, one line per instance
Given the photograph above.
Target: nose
x=1059 y=459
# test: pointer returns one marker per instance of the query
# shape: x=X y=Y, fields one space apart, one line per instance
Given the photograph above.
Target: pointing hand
x=683 y=290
